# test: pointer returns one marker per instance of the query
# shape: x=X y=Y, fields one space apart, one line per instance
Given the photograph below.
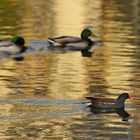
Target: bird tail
x=54 y=43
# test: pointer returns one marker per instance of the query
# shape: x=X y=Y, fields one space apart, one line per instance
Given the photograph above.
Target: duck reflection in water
x=107 y=105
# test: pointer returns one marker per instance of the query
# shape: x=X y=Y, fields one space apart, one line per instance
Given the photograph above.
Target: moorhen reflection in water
x=20 y=58
x=107 y=105
x=122 y=113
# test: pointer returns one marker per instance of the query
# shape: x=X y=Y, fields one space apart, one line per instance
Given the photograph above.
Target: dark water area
x=42 y=97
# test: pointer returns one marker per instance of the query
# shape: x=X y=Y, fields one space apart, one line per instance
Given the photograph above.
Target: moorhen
x=105 y=103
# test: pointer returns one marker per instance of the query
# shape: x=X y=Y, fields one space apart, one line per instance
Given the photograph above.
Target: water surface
x=42 y=96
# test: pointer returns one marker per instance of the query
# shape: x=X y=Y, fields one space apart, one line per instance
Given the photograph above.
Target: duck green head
x=18 y=40
x=86 y=33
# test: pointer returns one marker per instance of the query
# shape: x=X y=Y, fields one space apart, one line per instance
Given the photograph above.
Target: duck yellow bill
x=26 y=45
x=93 y=35
x=97 y=38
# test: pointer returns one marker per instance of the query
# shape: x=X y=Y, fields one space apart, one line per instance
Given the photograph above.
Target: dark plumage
x=107 y=105
x=107 y=102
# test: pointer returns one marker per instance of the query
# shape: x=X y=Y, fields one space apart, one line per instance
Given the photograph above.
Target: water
x=42 y=97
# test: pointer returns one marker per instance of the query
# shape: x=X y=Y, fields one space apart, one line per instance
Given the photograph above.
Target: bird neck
x=120 y=102
x=84 y=38
x=22 y=48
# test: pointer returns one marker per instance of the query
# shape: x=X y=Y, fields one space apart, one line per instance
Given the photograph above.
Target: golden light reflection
x=35 y=20
x=69 y=17
x=5 y=73
x=67 y=82
x=119 y=63
x=94 y=22
x=66 y=76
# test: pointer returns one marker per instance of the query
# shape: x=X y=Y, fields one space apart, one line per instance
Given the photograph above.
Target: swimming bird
x=13 y=47
x=84 y=44
x=107 y=103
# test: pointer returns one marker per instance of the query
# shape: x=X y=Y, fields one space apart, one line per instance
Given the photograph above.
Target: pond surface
x=42 y=97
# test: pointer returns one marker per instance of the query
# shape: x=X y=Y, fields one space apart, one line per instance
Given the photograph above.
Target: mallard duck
x=107 y=103
x=74 y=43
x=13 y=47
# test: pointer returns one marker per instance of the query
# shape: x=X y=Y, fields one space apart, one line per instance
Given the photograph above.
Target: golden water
x=42 y=96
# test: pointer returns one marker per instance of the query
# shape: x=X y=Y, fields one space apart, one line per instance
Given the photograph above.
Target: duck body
x=71 y=43
x=66 y=39
x=83 y=44
x=13 y=47
x=9 y=48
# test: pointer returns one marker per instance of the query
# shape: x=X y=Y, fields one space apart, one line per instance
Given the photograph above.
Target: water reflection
x=56 y=76
x=68 y=17
x=68 y=120
x=120 y=111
